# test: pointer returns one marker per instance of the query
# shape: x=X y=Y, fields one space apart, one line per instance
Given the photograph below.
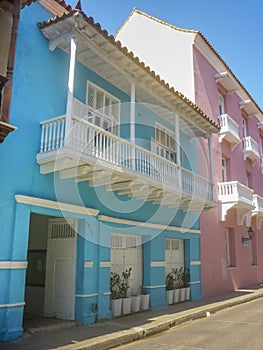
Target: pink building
x=230 y=258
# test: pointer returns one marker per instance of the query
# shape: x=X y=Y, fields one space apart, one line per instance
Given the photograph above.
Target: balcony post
x=71 y=76
x=177 y=136
x=132 y=124
x=132 y=114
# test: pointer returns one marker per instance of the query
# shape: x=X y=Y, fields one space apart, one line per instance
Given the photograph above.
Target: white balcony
x=228 y=130
x=257 y=212
x=91 y=153
x=250 y=149
x=234 y=195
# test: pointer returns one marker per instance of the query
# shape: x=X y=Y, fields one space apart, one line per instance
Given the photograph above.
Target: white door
x=174 y=254
x=126 y=252
x=61 y=269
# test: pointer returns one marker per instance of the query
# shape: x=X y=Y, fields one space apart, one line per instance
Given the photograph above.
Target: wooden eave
x=101 y=53
x=7 y=5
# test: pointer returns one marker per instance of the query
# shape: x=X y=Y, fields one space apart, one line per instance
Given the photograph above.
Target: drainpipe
x=71 y=76
x=7 y=83
x=211 y=163
x=7 y=94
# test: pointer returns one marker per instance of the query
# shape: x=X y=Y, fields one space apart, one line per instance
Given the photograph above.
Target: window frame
x=224 y=169
x=221 y=104
x=164 y=149
x=244 y=127
x=230 y=248
x=98 y=116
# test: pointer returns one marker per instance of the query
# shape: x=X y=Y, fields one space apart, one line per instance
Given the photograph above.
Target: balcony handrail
x=226 y=121
x=150 y=153
x=89 y=109
x=249 y=142
x=232 y=188
x=258 y=202
x=51 y=120
x=95 y=141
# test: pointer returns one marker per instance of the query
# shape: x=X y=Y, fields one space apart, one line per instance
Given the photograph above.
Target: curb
x=167 y=322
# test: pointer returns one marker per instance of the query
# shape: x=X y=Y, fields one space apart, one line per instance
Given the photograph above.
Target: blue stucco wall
x=40 y=93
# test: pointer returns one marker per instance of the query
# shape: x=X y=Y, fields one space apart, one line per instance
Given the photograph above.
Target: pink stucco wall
x=216 y=276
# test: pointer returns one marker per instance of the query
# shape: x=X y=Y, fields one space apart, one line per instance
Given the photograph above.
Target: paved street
x=239 y=328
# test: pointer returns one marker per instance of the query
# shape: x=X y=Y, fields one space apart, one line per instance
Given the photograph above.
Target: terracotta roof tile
x=129 y=54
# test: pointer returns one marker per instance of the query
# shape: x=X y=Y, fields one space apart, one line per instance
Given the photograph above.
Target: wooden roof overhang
x=101 y=53
x=7 y=5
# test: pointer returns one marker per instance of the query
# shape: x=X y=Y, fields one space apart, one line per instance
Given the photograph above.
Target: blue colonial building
x=101 y=175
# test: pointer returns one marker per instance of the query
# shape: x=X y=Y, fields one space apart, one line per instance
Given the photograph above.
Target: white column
x=177 y=139
x=132 y=114
x=71 y=76
x=178 y=149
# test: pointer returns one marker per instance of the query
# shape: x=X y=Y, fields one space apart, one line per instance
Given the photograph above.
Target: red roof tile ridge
x=129 y=54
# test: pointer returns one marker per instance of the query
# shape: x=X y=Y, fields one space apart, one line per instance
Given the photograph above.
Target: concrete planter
x=187 y=293
x=145 y=299
x=170 y=297
x=126 y=306
x=116 y=306
x=135 y=303
x=176 y=296
x=182 y=294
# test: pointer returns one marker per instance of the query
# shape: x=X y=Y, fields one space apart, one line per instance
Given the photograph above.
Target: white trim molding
x=12 y=305
x=195 y=282
x=86 y=295
x=158 y=263
x=155 y=287
x=88 y=264
x=45 y=203
x=195 y=262
x=13 y=264
x=106 y=293
x=146 y=224
x=105 y=264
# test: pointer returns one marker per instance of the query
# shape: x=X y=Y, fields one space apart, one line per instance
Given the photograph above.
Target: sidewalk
x=108 y=334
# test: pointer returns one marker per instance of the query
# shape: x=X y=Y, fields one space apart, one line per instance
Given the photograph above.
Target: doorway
x=51 y=273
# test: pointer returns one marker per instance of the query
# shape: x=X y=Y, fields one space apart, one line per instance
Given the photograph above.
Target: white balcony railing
x=233 y=194
x=229 y=130
x=94 y=143
x=251 y=149
x=257 y=212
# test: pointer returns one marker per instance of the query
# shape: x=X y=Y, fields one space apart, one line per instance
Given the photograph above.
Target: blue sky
x=233 y=27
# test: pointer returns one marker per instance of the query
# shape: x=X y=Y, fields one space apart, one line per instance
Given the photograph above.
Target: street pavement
x=236 y=328
x=122 y=330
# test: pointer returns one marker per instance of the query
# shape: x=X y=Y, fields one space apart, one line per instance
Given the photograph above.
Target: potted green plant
x=170 y=288
x=186 y=283
x=181 y=284
x=116 y=294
